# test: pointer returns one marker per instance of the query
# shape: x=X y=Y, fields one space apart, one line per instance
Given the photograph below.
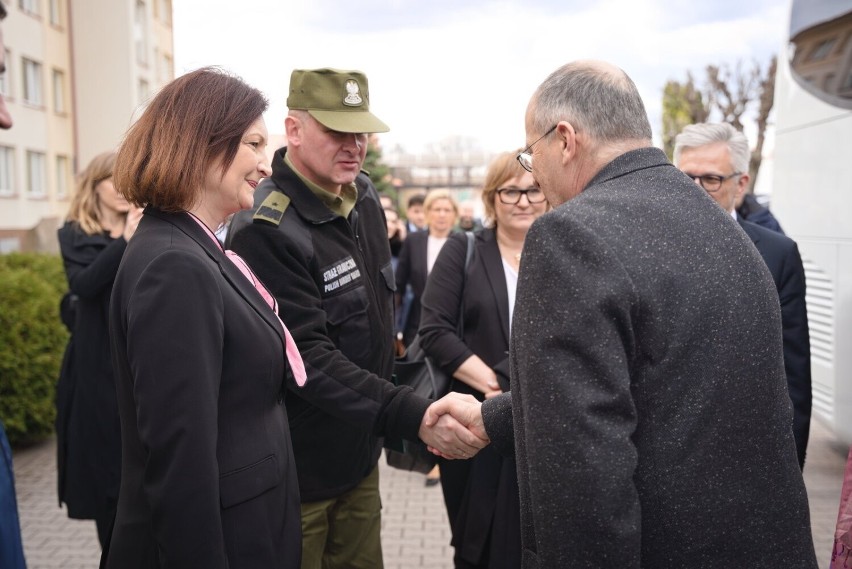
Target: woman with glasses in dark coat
x=481 y=494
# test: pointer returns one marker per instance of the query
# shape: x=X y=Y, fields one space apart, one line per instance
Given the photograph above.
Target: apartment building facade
x=78 y=72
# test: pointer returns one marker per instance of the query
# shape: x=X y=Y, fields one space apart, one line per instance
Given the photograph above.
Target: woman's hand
x=479 y=376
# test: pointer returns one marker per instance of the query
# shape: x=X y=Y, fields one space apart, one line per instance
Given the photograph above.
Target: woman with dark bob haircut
x=201 y=358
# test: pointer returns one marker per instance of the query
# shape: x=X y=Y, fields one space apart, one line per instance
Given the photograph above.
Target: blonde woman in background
x=418 y=254
x=420 y=250
x=98 y=226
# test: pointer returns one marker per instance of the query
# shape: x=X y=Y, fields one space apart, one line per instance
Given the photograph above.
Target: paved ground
x=414 y=529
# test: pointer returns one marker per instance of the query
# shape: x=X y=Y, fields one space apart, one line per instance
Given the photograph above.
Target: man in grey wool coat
x=649 y=411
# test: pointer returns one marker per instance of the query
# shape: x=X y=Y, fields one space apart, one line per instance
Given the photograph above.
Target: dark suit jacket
x=208 y=477
x=752 y=211
x=781 y=255
x=652 y=420
x=481 y=494
x=411 y=270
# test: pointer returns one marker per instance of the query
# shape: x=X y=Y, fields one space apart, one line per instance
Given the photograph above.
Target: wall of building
x=109 y=57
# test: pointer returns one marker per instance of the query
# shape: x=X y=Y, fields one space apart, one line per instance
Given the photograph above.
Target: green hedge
x=32 y=342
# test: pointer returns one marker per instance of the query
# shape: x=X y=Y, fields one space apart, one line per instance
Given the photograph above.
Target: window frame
x=37 y=85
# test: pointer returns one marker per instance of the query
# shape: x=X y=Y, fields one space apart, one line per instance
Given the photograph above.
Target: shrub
x=32 y=342
x=49 y=267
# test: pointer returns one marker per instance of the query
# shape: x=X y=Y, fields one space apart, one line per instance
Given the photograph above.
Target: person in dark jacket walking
x=99 y=224
x=318 y=239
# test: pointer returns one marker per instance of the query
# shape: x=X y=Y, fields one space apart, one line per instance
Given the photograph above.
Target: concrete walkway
x=415 y=532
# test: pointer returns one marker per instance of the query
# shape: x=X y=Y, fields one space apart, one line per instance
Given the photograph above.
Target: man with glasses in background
x=11 y=549
x=716 y=157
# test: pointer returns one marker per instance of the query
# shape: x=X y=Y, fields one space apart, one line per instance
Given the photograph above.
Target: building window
x=140 y=32
x=7 y=171
x=143 y=91
x=58 y=91
x=32 y=82
x=62 y=176
x=6 y=78
x=30 y=6
x=55 y=7
x=36 y=174
x=166 y=12
x=167 y=71
x=822 y=50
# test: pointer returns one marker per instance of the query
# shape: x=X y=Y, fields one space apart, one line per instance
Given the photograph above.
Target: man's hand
x=452 y=427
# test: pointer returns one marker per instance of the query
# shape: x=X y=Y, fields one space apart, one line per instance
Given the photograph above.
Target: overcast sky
x=467 y=68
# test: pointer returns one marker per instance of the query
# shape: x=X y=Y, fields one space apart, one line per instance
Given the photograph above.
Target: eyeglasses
x=525 y=156
x=511 y=196
x=711 y=182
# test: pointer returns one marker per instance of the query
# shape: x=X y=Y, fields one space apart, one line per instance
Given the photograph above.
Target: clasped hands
x=453 y=428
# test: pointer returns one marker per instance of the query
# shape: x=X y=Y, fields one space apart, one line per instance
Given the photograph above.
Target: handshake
x=453 y=428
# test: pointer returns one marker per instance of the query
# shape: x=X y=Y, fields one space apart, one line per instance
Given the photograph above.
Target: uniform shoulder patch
x=272 y=209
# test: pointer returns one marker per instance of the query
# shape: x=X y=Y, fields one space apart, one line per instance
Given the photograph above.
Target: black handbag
x=420 y=372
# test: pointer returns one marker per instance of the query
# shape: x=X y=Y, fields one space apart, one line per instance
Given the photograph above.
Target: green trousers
x=344 y=532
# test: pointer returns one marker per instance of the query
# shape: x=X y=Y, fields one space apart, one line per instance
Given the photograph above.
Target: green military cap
x=338 y=99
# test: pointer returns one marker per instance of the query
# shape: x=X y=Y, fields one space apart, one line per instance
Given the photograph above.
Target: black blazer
x=486 y=306
x=781 y=255
x=208 y=478
x=650 y=405
x=481 y=494
x=411 y=270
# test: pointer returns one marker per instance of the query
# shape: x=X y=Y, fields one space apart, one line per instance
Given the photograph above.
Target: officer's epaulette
x=273 y=207
x=365 y=172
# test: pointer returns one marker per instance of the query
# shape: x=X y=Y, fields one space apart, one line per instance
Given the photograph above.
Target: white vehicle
x=812 y=189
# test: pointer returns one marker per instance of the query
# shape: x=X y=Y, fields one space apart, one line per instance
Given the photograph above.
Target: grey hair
x=702 y=134
x=605 y=105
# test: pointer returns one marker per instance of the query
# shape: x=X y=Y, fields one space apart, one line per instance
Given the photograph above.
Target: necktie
x=293 y=355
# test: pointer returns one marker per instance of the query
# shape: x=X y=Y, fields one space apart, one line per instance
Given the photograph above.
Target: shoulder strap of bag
x=468 y=256
x=469 y=253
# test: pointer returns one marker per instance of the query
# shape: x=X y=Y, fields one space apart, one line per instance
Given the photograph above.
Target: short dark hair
x=193 y=122
x=2 y=11
x=416 y=199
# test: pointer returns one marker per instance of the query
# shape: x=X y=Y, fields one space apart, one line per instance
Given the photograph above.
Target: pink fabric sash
x=293 y=355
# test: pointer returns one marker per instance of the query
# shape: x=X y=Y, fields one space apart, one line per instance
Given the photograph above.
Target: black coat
x=208 y=476
x=650 y=406
x=411 y=270
x=481 y=494
x=781 y=255
x=87 y=425
x=333 y=279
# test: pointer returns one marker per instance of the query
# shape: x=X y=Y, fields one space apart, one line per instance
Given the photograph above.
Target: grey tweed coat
x=652 y=424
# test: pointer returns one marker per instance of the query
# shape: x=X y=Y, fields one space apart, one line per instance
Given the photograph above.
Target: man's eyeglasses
x=511 y=196
x=525 y=156
x=711 y=182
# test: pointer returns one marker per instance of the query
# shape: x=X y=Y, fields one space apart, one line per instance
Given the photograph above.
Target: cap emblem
x=353 y=98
